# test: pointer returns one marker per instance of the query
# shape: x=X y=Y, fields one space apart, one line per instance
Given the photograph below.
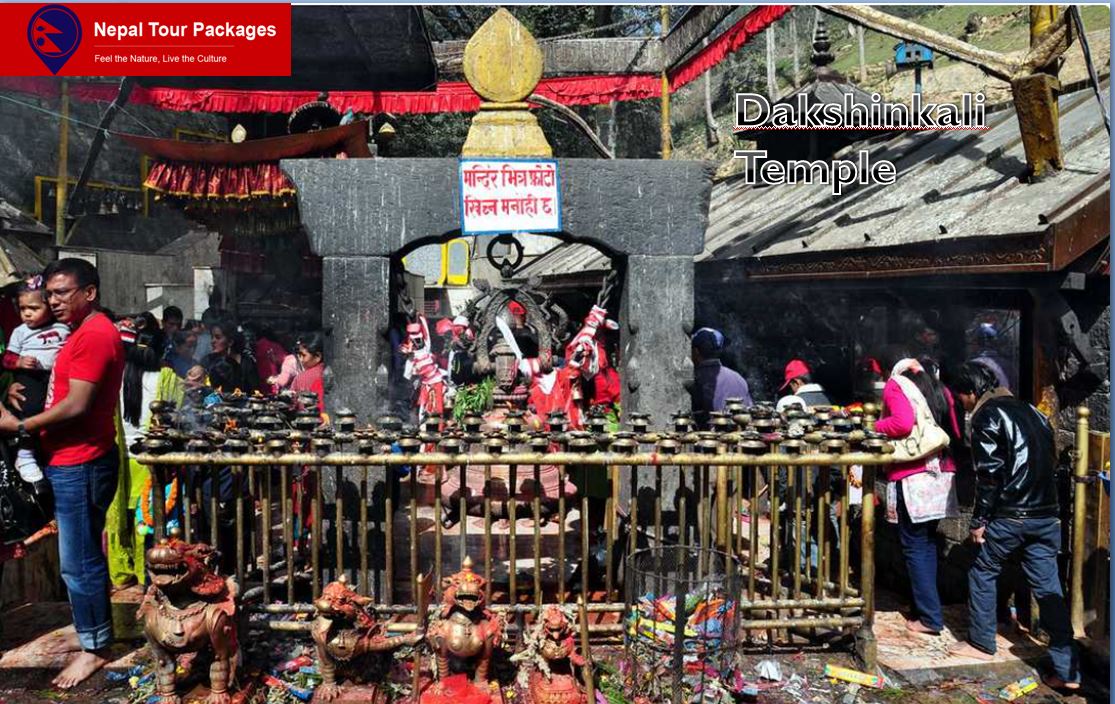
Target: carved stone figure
x=349 y=638
x=465 y=633
x=552 y=650
x=189 y=609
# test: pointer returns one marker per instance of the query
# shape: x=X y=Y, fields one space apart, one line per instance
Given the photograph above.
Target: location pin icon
x=54 y=33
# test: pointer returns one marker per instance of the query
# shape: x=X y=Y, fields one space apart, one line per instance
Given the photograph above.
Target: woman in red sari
x=311 y=355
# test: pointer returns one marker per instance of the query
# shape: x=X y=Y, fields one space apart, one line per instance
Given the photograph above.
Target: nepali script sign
x=510 y=195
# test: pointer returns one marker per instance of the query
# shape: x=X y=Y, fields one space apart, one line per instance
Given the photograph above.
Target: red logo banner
x=156 y=39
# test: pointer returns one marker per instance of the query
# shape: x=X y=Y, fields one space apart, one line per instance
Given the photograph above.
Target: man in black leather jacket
x=1016 y=509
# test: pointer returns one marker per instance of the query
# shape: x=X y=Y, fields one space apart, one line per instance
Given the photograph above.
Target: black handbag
x=22 y=510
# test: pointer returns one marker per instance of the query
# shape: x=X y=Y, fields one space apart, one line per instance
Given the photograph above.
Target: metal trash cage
x=680 y=631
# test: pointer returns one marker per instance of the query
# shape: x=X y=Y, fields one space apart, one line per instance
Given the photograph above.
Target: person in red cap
x=803 y=391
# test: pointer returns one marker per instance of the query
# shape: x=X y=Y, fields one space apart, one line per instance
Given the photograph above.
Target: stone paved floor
x=35 y=644
x=903 y=651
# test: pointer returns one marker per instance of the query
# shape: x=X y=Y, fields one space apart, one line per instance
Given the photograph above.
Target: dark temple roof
x=959 y=205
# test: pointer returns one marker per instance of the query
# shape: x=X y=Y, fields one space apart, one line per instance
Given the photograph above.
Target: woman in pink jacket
x=918 y=535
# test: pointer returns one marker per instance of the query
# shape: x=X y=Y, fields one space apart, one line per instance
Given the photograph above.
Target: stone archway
x=359 y=213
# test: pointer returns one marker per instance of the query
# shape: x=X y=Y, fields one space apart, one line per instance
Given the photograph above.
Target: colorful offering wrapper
x=1016 y=690
x=853 y=676
x=654 y=619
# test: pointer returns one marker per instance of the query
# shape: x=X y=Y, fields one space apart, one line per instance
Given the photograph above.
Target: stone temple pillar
x=656 y=321
x=655 y=324
x=356 y=310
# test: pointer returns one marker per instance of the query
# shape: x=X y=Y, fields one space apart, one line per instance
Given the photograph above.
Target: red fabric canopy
x=227 y=181
x=717 y=50
x=447 y=97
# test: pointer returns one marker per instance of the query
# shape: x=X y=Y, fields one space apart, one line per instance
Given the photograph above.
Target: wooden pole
x=1042 y=18
x=712 y=131
x=772 y=79
x=62 y=187
x=664 y=21
x=794 y=48
x=1035 y=92
x=126 y=85
x=860 y=31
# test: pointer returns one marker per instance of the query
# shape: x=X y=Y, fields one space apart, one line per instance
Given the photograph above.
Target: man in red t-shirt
x=78 y=437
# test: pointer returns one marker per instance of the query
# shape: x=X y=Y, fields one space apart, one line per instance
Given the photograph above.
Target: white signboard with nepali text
x=510 y=195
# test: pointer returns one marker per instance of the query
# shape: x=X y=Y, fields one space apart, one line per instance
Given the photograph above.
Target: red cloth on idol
x=606 y=387
x=559 y=395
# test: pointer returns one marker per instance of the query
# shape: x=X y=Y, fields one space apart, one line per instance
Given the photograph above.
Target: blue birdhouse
x=909 y=55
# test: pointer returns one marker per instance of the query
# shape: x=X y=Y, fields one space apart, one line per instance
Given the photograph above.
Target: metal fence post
x=723 y=515
x=1079 y=515
x=866 y=647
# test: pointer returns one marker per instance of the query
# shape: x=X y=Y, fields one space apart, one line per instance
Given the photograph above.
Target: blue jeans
x=805 y=536
x=82 y=494
x=1040 y=540
x=919 y=546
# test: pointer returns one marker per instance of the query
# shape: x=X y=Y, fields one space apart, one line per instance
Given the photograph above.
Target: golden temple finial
x=503 y=64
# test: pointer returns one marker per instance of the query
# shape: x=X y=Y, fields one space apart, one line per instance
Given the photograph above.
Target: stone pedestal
x=506 y=129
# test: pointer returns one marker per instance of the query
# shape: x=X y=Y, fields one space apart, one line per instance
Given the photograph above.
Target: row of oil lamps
x=236 y=424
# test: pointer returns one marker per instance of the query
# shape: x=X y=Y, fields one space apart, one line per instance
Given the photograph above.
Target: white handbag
x=926 y=437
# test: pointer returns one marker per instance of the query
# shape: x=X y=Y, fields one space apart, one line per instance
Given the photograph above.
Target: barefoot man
x=1016 y=511
x=78 y=435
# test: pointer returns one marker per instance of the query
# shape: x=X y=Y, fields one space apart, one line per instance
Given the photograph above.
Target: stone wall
x=124 y=275
x=29 y=141
x=1093 y=311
